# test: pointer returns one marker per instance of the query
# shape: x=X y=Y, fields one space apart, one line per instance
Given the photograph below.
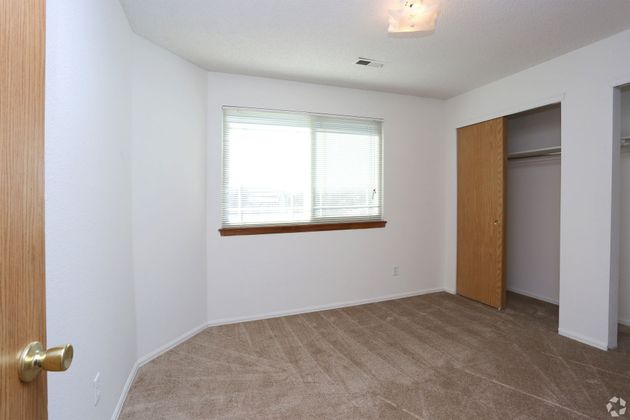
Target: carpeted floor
x=436 y=356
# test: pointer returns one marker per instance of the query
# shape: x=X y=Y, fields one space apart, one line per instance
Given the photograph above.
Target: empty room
x=314 y=209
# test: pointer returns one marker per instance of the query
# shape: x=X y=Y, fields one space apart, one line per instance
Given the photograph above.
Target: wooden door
x=481 y=165
x=22 y=295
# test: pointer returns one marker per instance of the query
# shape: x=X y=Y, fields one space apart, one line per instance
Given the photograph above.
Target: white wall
x=584 y=80
x=251 y=276
x=533 y=228
x=533 y=206
x=99 y=98
x=169 y=197
x=88 y=204
x=126 y=196
x=624 y=282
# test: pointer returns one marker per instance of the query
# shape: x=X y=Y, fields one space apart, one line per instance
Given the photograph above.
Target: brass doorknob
x=33 y=358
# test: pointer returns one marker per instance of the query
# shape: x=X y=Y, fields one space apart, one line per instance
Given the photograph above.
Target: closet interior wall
x=624 y=250
x=533 y=205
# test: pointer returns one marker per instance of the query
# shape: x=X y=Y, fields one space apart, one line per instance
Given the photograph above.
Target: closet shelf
x=546 y=151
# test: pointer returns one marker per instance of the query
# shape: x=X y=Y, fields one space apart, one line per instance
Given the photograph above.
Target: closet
x=533 y=203
x=508 y=207
x=624 y=246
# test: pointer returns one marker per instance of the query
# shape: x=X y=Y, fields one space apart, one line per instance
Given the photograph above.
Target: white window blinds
x=285 y=168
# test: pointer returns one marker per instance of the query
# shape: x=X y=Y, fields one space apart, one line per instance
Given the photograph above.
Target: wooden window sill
x=315 y=227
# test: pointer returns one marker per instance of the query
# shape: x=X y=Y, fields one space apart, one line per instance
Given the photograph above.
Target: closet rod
x=546 y=151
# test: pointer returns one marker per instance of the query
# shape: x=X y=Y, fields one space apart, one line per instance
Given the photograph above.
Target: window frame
x=295 y=227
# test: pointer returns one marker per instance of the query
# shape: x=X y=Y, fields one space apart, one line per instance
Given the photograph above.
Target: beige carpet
x=436 y=356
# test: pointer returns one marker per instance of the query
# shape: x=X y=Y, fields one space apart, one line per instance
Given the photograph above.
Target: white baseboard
x=166 y=347
x=146 y=359
x=534 y=296
x=225 y=321
x=582 y=339
x=125 y=391
x=307 y=309
x=625 y=322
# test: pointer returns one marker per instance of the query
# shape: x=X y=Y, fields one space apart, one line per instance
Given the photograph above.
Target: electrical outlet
x=97 y=388
x=395 y=271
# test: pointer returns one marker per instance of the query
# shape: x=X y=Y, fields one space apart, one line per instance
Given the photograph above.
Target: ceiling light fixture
x=414 y=16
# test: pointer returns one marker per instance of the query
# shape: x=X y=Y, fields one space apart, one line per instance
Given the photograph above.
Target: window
x=290 y=171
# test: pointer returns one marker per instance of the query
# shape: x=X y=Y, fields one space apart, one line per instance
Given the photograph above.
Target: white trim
x=146 y=359
x=534 y=296
x=166 y=347
x=225 y=321
x=582 y=339
x=125 y=391
x=307 y=309
x=625 y=322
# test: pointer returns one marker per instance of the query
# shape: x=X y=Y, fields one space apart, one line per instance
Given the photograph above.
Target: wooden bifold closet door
x=481 y=168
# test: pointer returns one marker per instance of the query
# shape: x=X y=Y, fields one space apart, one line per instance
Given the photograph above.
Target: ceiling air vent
x=368 y=62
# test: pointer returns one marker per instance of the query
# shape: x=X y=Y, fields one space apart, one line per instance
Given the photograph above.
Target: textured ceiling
x=476 y=41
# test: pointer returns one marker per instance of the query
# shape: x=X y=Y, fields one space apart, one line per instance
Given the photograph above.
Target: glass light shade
x=413 y=17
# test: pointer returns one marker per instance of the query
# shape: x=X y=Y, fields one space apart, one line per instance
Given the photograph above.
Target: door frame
x=615 y=249
x=486 y=116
